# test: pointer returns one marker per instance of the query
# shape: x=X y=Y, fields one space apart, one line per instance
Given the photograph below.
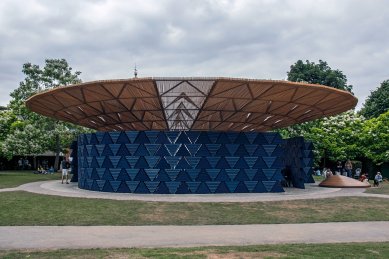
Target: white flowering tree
x=25 y=140
x=334 y=138
x=375 y=138
x=36 y=132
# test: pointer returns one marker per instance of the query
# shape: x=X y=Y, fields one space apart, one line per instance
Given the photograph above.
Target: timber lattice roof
x=219 y=104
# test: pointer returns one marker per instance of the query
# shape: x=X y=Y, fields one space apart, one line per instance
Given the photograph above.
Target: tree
x=378 y=102
x=375 y=138
x=334 y=138
x=56 y=72
x=318 y=74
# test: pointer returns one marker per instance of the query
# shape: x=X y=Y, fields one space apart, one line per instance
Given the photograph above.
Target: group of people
x=347 y=171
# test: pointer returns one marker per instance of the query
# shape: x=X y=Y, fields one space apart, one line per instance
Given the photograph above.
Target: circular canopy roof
x=219 y=104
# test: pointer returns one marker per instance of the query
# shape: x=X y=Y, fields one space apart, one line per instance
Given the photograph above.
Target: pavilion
x=190 y=135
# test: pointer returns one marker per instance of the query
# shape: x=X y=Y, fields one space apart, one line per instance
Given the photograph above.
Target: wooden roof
x=220 y=104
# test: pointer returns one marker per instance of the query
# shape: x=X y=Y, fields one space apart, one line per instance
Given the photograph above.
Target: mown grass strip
x=23 y=208
x=342 y=250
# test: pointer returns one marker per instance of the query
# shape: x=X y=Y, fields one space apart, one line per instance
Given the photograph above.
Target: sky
x=257 y=39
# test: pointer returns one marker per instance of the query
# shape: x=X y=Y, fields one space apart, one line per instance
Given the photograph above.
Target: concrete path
x=312 y=191
x=189 y=236
x=54 y=237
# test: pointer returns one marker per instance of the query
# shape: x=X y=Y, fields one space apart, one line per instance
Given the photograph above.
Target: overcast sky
x=249 y=39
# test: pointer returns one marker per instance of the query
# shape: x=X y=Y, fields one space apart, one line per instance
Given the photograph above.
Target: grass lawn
x=345 y=250
x=10 y=179
x=382 y=189
x=23 y=208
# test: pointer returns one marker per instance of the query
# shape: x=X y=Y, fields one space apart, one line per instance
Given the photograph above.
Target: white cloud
x=255 y=39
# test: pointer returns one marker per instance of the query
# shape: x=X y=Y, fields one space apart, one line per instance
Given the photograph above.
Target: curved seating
x=340 y=181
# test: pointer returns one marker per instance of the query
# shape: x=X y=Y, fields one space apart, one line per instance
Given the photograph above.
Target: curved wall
x=180 y=162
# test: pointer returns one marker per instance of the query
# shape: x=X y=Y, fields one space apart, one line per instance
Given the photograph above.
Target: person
x=377 y=179
x=357 y=173
x=41 y=170
x=20 y=164
x=328 y=173
x=348 y=166
x=362 y=178
x=339 y=168
x=65 y=165
x=51 y=170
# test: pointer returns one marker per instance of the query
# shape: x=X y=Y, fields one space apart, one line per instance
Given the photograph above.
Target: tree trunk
x=34 y=166
x=57 y=150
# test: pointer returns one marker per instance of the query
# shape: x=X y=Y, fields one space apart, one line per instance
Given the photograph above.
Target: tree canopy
x=28 y=133
x=319 y=73
x=378 y=101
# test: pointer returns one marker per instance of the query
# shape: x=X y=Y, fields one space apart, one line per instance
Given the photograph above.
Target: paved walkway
x=50 y=237
x=312 y=191
x=189 y=236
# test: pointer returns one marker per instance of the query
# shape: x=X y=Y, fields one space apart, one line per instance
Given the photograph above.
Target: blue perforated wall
x=299 y=159
x=181 y=162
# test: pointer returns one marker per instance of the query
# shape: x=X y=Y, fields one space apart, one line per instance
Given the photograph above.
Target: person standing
x=377 y=179
x=65 y=166
x=348 y=166
x=339 y=168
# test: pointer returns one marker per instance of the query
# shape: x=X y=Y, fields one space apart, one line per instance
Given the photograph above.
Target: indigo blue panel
x=173 y=162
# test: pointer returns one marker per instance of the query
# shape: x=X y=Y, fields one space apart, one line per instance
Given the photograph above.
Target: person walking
x=65 y=166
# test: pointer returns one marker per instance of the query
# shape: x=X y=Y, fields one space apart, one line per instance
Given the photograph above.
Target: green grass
x=343 y=250
x=9 y=179
x=382 y=189
x=23 y=208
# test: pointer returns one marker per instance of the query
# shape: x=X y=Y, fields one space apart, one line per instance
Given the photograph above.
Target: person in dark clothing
x=65 y=166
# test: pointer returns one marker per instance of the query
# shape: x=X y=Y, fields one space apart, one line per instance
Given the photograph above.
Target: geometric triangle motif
x=250 y=160
x=193 y=161
x=172 y=173
x=193 y=186
x=269 y=161
x=269 y=185
x=193 y=148
x=152 y=148
x=152 y=160
x=115 y=185
x=152 y=186
x=251 y=149
x=269 y=173
x=132 y=148
x=251 y=173
x=132 y=185
x=269 y=137
x=152 y=135
x=132 y=173
x=172 y=148
x=172 y=160
x=232 y=161
x=132 y=136
x=132 y=160
x=114 y=136
x=269 y=149
x=232 y=186
x=152 y=173
x=173 y=186
x=115 y=173
x=251 y=185
x=212 y=186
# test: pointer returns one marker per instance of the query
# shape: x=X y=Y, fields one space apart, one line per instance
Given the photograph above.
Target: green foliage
x=29 y=133
x=336 y=137
x=378 y=101
x=375 y=138
x=318 y=74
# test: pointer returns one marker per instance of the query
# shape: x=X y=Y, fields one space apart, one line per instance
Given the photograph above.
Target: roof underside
x=220 y=104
